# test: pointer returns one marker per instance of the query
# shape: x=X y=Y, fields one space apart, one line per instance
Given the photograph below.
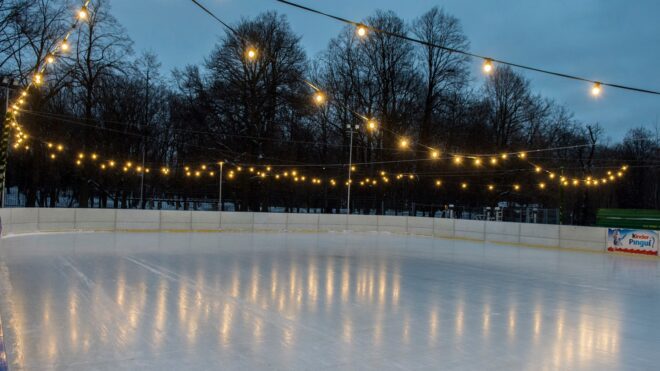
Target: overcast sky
x=607 y=40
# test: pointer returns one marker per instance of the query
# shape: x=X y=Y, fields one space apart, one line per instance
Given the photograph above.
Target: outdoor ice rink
x=201 y=301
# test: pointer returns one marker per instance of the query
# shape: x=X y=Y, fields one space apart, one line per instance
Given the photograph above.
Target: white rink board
x=19 y=221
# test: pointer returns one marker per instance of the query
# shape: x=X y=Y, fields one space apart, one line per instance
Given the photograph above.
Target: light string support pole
x=4 y=146
x=144 y=152
x=350 y=166
x=220 y=204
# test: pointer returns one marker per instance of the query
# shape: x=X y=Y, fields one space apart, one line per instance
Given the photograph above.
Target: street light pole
x=350 y=166
x=144 y=150
x=220 y=205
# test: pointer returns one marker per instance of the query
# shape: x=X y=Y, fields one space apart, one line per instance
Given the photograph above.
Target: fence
x=518 y=214
x=18 y=221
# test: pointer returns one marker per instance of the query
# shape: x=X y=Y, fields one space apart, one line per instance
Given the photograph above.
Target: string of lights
x=478 y=169
x=10 y=123
x=296 y=177
x=263 y=172
x=363 y=31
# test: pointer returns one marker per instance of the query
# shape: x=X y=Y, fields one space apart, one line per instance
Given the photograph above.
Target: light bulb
x=319 y=98
x=82 y=13
x=403 y=143
x=361 y=31
x=435 y=154
x=251 y=54
x=596 y=89
x=488 y=66
x=372 y=125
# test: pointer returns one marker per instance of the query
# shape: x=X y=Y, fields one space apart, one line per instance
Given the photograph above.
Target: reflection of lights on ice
x=273 y=301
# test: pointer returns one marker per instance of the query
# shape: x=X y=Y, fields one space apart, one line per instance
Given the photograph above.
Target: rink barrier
x=32 y=220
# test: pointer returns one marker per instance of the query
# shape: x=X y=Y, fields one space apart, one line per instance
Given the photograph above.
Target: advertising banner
x=634 y=241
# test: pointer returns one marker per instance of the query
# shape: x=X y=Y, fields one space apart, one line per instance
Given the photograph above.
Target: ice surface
x=327 y=301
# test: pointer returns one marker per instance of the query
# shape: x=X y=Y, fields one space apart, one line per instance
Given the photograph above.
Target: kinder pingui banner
x=634 y=241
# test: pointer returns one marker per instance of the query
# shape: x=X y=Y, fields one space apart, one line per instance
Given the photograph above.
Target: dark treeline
x=103 y=97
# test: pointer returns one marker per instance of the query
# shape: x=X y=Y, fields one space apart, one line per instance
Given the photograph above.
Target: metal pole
x=350 y=170
x=220 y=205
x=561 y=199
x=142 y=175
x=4 y=170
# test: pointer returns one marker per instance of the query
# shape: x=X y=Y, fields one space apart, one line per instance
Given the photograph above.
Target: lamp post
x=350 y=128
x=220 y=205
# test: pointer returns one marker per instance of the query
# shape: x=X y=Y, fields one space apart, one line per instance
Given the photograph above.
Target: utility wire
x=466 y=53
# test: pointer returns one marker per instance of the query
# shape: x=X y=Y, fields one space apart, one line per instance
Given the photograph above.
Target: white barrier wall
x=17 y=221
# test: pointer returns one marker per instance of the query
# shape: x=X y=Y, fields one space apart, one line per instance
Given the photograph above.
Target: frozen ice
x=113 y=301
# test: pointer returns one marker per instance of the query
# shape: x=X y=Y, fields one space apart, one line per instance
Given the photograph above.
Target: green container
x=628 y=218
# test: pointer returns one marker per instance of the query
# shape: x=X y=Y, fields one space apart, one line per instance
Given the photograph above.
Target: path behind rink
x=105 y=301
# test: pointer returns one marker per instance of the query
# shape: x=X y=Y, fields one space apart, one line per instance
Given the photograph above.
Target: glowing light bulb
x=435 y=154
x=50 y=59
x=438 y=183
x=504 y=156
x=493 y=161
x=319 y=98
x=458 y=160
x=251 y=54
x=361 y=31
x=38 y=79
x=403 y=143
x=111 y=164
x=82 y=13
x=516 y=187
x=64 y=46
x=596 y=90
x=477 y=162
x=372 y=125
x=542 y=185
x=538 y=169
x=464 y=185
x=491 y=187
x=78 y=162
x=488 y=66
x=522 y=155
